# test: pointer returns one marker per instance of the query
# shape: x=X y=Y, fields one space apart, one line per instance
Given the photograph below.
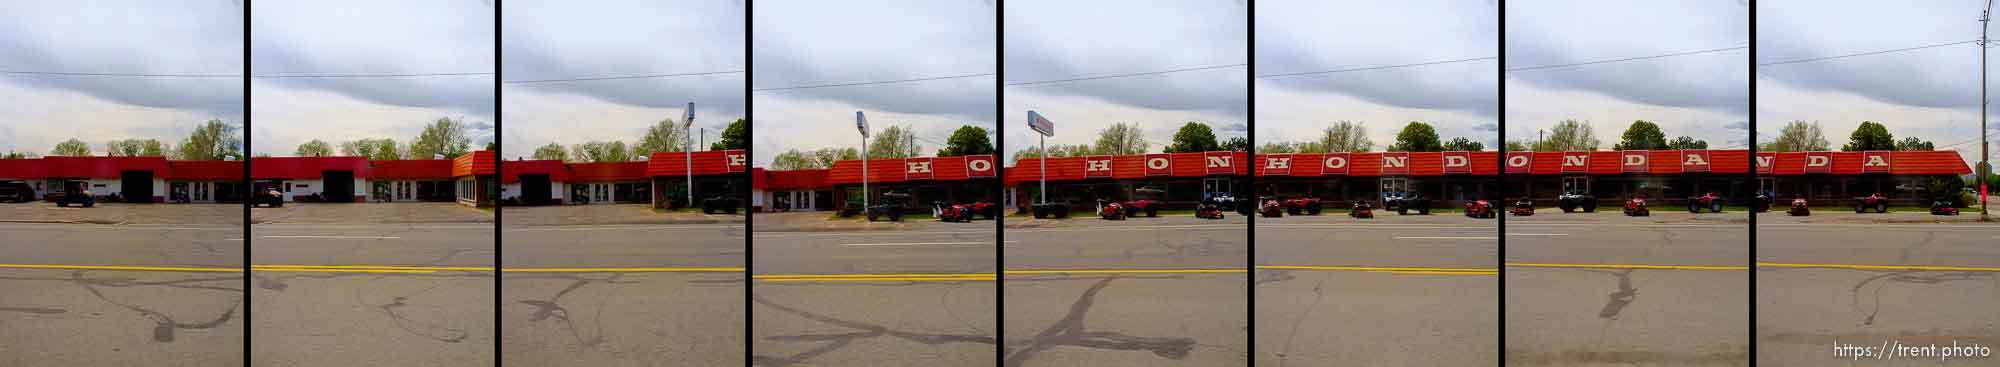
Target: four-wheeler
x=1799 y=208
x=16 y=191
x=1302 y=206
x=890 y=208
x=1208 y=209
x=985 y=209
x=719 y=204
x=269 y=197
x=1403 y=202
x=1761 y=203
x=1050 y=210
x=1944 y=207
x=1146 y=203
x=1524 y=207
x=1362 y=209
x=1110 y=210
x=1479 y=209
x=1577 y=199
x=952 y=212
x=76 y=192
x=1227 y=202
x=1636 y=207
x=1271 y=208
x=1872 y=201
x=1708 y=200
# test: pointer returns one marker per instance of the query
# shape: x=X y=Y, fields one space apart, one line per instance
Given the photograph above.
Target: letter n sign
x=1575 y=162
x=1633 y=161
x=737 y=160
x=918 y=169
x=1875 y=161
x=1819 y=162
x=1395 y=163
x=1219 y=162
x=979 y=166
x=1520 y=162
x=1696 y=161
x=1159 y=164
x=1097 y=166
x=1457 y=162
x=1278 y=164
x=1765 y=161
x=1334 y=164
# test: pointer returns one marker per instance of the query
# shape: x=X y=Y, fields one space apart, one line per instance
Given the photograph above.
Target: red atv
x=1208 y=210
x=1271 y=209
x=1799 y=208
x=1149 y=206
x=1524 y=207
x=1944 y=207
x=1708 y=200
x=985 y=209
x=1479 y=209
x=952 y=212
x=1876 y=201
x=1110 y=210
x=1302 y=206
x=1636 y=207
x=1362 y=209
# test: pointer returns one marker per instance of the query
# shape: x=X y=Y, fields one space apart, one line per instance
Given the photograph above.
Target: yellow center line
x=1880 y=267
x=1376 y=268
x=1444 y=272
x=369 y=267
x=1628 y=266
x=620 y=270
x=790 y=276
x=1123 y=271
x=121 y=267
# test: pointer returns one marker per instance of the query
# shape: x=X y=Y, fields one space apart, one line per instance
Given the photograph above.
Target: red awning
x=607 y=171
x=959 y=168
x=1132 y=166
x=204 y=171
x=408 y=169
x=306 y=168
x=713 y=162
x=1936 y=162
x=511 y=171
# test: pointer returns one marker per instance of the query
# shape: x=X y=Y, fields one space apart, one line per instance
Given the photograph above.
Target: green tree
x=1417 y=137
x=1463 y=144
x=1193 y=137
x=374 y=149
x=552 y=151
x=601 y=151
x=1798 y=136
x=1281 y=147
x=71 y=148
x=736 y=136
x=826 y=156
x=313 y=148
x=896 y=141
x=1344 y=136
x=1869 y=136
x=1569 y=135
x=1642 y=135
x=1236 y=144
x=1914 y=144
x=1518 y=146
x=1687 y=142
x=17 y=155
x=1056 y=151
x=795 y=159
x=1124 y=138
x=444 y=137
x=663 y=136
x=213 y=140
x=135 y=148
x=967 y=140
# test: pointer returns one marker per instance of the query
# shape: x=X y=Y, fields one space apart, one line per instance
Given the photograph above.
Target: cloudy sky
x=119 y=37
x=1703 y=95
x=1932 y=93
x=1054 y=39
x=807 y=43
x=368 y=37
x=1460 y=99
x=550 y=39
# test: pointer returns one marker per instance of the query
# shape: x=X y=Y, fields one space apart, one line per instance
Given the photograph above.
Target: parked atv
x=76 y=192
x=890 y=208
x=1362 y=209
x=1524 y=207
x=1404 y=202
x=1271 y=209
x=1761 y=203
x=1636 y=207
x=1146 y=204
x=952 y=212
x=1944 y=207
x=1872 y=201
x=1479 y=209
x=985 y=209
x=1799 y=208
x=270 y=197
x=1110 y=210
x=1227 y=202
x=1577 y=199
x=1708 y=201
x=1208 y=210
x=719 y=204
x=1302 y=206
x=1050 y=210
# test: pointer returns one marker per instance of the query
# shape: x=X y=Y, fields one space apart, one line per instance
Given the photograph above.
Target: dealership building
x=918 y=181
x=660 y=180
x=1180 y=179
x=1901 y=175
x=1450 y=177
x=132 y=179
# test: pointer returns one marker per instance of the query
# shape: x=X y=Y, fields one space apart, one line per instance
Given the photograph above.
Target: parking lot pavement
x=1606 y=289
x=120 y=295
x=623 y=295
x=418 y=289
x=607 y=214
x=1828 y=279
x=851 y=293
x=1167 y=291
x=122 y=213
x=1394 y=290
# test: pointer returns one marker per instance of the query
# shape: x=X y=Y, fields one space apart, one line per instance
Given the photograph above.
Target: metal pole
x=1044 y=194
x=689 y=154
x=1985 y=18
x=864 y=172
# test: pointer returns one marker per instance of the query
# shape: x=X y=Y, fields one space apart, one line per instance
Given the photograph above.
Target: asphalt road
x=377 y=316
x=1825 y=279
x=1389 y=291
x=623 y=295
x=1605 y=289
x=920 y=293
x=1169 y=291
x=73 y=316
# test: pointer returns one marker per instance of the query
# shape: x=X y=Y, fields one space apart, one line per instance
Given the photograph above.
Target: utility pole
x=1985 y=18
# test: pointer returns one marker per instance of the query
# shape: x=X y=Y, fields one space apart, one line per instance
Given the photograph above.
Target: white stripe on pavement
x=1446 y=238
x=922 y=243
x=340 y=237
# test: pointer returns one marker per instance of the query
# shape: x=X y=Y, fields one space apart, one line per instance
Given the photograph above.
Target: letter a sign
x=918 y=169
x=1875 y=161
x=1159 y=164
x=1278 y=164
x=1457 y=162
x=1334 y=164
x=1097 y=166
x=1395 y=163
x=1694 y=161
x=1819 y=162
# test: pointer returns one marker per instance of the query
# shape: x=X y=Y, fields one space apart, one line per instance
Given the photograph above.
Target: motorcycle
x=1799 y=208
x=1876 y=200
x=1636 y=207
x=1524 y=207
x=1707 y=200
x=1362 y=209
x=1479 y=209
x=1271 y=209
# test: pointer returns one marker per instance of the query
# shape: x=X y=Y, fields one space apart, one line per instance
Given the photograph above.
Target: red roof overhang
x=306 y=168
x=474 y=163
x=1935 y=162
x=204 y=170
x=607 y=171
x=957 y=168
x=511 y=171
x=412 y=169
x=712 y=162
x=1197 y=164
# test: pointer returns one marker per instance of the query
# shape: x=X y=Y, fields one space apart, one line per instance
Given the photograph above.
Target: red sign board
x=1334 y=164
x=1575 y=161
x=1633 y=161
x=1819 y=162
x=1457 y=162
x=1278 y=164
x=918 y=169
x=1219 y=162
x=1875 y=161
x=1396 y=163
x=1765 y=162
x=1520 y=162
x=1097 y=166
x=1159 y=164
x=1694 y=160
x=738 y=160
x=979 y=166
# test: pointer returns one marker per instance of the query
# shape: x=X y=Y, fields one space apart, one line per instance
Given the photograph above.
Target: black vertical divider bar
x=499 y=124
x=1000 y=182
x=248 y=181
x=1500 y=260
x=1752 y=261
x=749 y=216
x=1250 y=178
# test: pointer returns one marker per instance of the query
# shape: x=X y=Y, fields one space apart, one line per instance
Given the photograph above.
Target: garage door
x=137 y=186
x=339 y=186
x=535 y=189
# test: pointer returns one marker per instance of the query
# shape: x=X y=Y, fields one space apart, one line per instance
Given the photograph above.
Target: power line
x=138 y=75
x=815 y=86
x=1428 y=63
x=1696 y=52
x=1169 y=71
x=1866 y=53
x=648 y=76
x=318 y=76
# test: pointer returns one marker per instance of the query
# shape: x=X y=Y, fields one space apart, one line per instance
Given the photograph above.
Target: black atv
x=76 y=192
x=1404 y=202
x=891 y=207
x=720 y=204
x=1577 y=199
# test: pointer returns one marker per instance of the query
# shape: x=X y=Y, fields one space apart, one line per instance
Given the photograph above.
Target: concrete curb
x=43 y=221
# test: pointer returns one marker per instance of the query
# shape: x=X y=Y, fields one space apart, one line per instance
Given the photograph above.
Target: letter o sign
x=1336 y=162
x=1517 y=161
x=979 y=165
x=1156 y=163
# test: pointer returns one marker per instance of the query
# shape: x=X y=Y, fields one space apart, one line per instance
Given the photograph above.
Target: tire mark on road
x=837 y=341
x=1070 y=331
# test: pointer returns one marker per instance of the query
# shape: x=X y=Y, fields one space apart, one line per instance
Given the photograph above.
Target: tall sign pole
x=687 y=151
x=1042 y=125
x=861 y=123
x=1985 y=18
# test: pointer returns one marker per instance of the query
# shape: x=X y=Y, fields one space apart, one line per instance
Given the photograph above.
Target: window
x=1573 y=183
x=1395 y=184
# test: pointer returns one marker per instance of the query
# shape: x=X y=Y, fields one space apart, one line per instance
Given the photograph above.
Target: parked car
x=1577 y=199
x=1709 y=201
x=16 y=191
x=1479 y=209
x=1799 y=208
x=1362 y=209
x=1524 y=207
x=1636 y=207
x=1404 y=202
x=1872 y=201
x=1302 y=206
x=76 y=192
